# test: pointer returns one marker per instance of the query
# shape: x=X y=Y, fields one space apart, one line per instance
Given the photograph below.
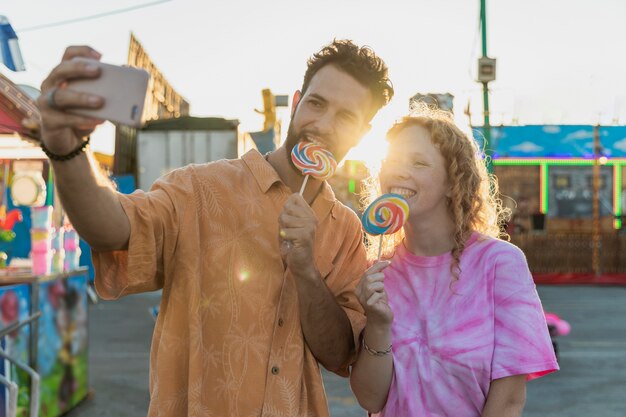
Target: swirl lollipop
x=313 y=160
x=386 y=215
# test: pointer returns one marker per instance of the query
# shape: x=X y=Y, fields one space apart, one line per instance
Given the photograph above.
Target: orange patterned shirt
x=228 y=340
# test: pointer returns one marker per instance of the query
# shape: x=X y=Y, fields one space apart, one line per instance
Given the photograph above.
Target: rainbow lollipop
x=386 y=215
x=313 y=160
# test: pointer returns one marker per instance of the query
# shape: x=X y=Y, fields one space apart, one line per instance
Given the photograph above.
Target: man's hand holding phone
x=61 y=132
x=81 y=92
x=89 y=202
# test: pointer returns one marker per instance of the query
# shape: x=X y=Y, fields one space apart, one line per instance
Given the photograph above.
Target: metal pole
x=486 y=125
x=596 y=238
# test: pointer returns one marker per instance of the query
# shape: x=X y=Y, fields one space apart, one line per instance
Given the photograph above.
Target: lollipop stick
x=380 y=247
x=306 y=177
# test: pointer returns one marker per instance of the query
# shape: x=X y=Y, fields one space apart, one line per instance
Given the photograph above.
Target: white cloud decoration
x=551 y=129
x=620 y=145
x=527 y=147
x=579 y=135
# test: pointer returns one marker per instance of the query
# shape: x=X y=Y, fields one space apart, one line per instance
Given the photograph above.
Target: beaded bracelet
x=376 y=352
x=67 y=157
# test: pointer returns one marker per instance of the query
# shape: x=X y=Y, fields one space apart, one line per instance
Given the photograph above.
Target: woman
x=457 y=304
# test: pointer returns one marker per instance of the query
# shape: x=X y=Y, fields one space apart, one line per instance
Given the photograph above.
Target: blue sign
x=10 y=54
x=553 y=141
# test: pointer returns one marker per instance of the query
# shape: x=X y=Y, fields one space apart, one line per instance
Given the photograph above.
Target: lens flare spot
x=243 y=276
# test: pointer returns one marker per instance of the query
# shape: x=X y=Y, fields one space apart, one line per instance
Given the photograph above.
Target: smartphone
x=123 y=89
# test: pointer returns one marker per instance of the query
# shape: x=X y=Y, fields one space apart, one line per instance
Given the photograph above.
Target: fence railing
x=566 y=252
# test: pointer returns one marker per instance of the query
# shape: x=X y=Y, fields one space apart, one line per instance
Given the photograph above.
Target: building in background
x=441 y=101
x=546 y=176
x=162 y=102
x=269 y=138
x=166 y=144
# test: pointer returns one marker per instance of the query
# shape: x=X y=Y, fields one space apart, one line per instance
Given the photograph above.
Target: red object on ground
x=561 y=327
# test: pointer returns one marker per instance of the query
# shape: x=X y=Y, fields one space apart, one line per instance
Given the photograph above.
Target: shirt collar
x=262 y=171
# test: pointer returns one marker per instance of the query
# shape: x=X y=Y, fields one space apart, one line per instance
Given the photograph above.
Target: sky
x=558 y=61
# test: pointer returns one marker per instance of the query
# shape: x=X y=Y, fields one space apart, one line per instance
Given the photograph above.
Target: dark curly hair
x=361 y=63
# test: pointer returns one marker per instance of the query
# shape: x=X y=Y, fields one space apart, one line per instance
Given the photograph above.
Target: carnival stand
x=43 y=291
x=567 y=196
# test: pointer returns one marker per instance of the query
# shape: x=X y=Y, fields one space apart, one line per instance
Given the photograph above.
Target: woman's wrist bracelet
x=376 y=352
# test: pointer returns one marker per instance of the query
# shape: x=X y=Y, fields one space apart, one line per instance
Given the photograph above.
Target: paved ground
x=592 y=380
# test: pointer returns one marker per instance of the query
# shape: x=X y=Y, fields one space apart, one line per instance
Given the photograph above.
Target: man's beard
x=294 y=137
x=291 y=141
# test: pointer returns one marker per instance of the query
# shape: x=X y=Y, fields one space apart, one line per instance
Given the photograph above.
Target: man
x=258 y=282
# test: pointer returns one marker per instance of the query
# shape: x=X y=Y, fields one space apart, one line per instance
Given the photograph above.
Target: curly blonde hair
x=474 y=204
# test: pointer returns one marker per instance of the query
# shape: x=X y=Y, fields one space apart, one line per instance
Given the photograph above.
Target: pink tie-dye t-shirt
x=451 y=341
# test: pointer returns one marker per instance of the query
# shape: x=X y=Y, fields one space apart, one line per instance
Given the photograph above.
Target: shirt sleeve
x=522 y=341
x=153 y=233
x=351 y=262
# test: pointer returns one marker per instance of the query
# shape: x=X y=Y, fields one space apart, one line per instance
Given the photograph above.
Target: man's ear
x=295 y=101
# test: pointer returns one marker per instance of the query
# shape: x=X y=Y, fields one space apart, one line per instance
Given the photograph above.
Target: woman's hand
x=372 y=296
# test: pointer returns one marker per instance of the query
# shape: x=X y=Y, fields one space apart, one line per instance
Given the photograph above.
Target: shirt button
x=280 y=322
x=275 y=370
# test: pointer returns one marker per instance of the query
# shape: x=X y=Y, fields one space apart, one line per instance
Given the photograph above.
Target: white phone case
x=123 y=89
